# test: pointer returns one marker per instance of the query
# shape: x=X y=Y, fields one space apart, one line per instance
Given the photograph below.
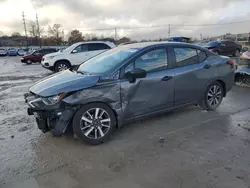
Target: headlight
x=50 y=57
x=53 y=100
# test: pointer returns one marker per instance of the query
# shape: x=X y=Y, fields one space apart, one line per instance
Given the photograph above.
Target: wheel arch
x=223 y=85
x=110 y=106
x=65 y=60
x=221 y=82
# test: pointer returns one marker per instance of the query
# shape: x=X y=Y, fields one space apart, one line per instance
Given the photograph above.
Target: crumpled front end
x=54 y=116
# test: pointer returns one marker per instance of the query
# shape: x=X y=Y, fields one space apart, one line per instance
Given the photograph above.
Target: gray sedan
x=126 y=83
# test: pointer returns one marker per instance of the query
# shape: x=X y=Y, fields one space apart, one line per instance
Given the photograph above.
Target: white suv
x=74 y=55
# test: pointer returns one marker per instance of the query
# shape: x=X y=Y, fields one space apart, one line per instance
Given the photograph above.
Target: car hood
x=63 y=82
x=27 y=56
x=53 y=54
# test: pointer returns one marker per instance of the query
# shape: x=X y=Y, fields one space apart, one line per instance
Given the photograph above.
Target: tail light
x=231 y=62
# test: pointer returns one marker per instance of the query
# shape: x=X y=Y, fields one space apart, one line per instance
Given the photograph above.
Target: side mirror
x=222 y=45
x=74 y=51
x=136 y=73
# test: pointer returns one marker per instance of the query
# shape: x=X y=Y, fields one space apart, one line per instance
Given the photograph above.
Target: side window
x=185 y=56
x=154 y=60
x=81 y=48
x=202 y=55
x=46 y=51
x=98 y=46
x=38 y=52
x=129 y=68
x=231 y=43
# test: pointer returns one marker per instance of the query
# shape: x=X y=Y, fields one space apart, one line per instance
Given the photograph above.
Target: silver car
x=126 y=83
x=3 y=52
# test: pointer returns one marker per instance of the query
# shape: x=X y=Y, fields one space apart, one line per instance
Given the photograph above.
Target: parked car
x=129 y=82
x=21 y=52
x=242 y=74
x=224 y=47
x=3 y=52
x=37 y=55
x=12 y=52
x=75 y=55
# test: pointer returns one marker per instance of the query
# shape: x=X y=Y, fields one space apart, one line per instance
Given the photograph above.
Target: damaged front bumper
x=54 y=118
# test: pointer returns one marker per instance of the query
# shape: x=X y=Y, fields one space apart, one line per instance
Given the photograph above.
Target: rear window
x=50 y=50
x=211 y=44
x=97 y=46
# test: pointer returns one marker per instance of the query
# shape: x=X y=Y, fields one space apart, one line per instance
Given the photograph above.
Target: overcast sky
x=92 y=14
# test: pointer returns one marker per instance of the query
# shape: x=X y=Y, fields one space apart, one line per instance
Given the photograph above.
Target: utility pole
x=25 y=29
x=169 y=31
x=201 y=36
x=38 y=30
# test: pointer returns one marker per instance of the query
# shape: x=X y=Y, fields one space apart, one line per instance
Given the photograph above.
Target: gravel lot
x=186 y=148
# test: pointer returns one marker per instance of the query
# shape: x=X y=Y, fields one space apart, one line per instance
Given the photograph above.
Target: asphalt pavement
x=186 y=148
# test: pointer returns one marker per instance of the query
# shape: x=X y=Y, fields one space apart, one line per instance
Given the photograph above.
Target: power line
x=166 y=25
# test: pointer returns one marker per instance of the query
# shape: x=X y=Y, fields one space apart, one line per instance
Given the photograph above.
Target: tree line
x=53 y=36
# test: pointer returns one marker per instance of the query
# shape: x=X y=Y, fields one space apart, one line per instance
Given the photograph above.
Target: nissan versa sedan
x=126 y=83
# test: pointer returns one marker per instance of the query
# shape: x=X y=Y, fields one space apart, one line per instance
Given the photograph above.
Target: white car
x=3 y=52
x=74 y=55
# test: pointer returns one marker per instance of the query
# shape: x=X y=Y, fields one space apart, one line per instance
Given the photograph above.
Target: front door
x=192 y=74
x=79 y=54
x=152 y=93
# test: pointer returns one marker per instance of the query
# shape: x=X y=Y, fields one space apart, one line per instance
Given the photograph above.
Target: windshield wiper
x=84 y=73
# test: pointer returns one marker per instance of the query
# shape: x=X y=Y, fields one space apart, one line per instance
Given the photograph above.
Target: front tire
x=212 y=97
x=61 y=66
x=94 y=123
x=237 y=53
x=28 y=62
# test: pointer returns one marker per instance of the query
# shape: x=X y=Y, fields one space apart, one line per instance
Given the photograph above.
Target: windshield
x=211 y=44
x=106 y=61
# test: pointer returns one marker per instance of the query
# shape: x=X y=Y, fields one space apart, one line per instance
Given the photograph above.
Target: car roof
x=89 y=42
x=142 y=45
x=111 y=44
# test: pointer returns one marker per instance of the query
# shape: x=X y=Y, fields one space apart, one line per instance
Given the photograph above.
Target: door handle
x=166 y=78
x=207 y=66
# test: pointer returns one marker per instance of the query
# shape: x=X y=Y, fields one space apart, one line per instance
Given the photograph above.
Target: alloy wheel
x=62 y=67
x=214 y=96
x=95 y=123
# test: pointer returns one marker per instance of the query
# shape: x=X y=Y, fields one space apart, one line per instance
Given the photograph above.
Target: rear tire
x=61 y=66
x=28 y=62
x=237 y=53
x=213 y=97
x=94 y=123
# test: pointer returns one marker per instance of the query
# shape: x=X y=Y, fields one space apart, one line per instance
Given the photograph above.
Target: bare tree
x=56 y=33
x=16 y=34
x=33 y=31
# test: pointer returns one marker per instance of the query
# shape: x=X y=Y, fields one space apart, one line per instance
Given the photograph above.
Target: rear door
x=229 y=47
x=152 y=93
x=96 y=48
x=192 y=73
